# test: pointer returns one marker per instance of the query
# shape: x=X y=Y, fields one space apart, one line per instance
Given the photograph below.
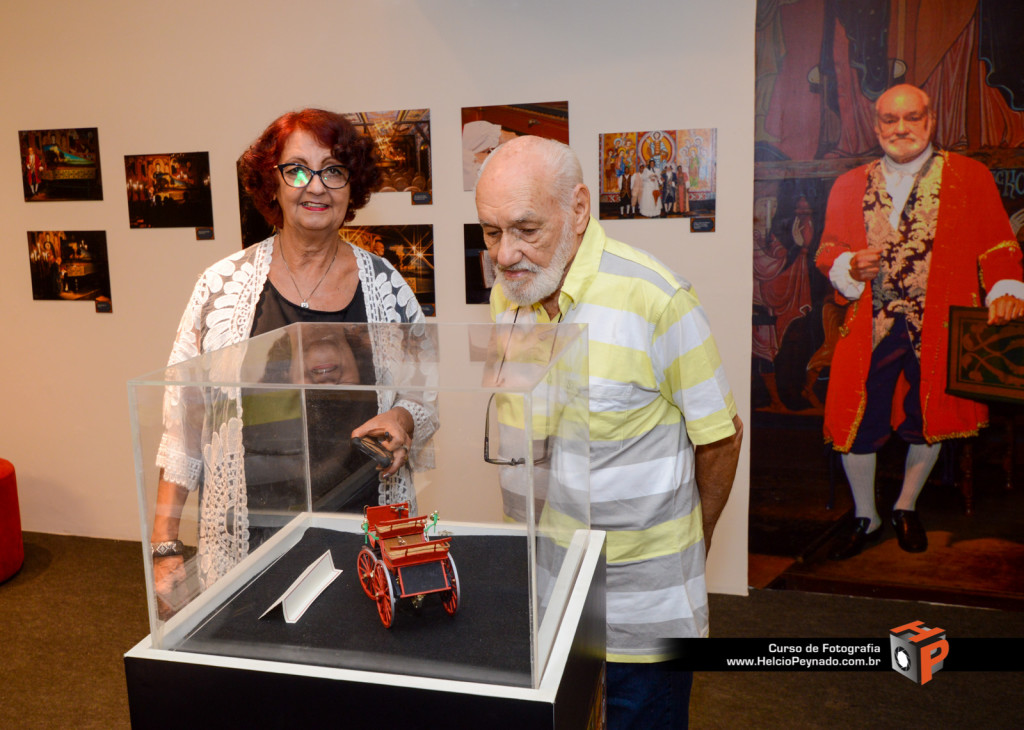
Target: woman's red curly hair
x=355 y=152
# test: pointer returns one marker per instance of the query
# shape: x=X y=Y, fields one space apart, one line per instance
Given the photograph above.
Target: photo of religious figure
x=658 y=174
x=69 y=265
x=479 y=266
x=888 y=192
x=169 y=190
x=402 y=141
x=485 y=127
x=60 y=164
x=410 y=249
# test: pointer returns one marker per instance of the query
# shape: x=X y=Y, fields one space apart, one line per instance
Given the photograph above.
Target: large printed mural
x=821 y=64
x=820 y=67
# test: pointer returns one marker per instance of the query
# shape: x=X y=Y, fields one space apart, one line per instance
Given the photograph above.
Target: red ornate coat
x=974 y=247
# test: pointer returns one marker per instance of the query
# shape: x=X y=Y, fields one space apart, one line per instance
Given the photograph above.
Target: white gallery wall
x=208 y=75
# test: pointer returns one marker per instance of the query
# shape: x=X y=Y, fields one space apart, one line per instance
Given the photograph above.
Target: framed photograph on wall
x=254 y=226
x=485 y=127
x=69 y=266
x=410 y=249
x=60 y=164
x=663 y=173
x=479 y=266
x=402 y=140
x=169 y=190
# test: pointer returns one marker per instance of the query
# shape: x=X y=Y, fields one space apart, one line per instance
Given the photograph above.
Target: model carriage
x=400 y=561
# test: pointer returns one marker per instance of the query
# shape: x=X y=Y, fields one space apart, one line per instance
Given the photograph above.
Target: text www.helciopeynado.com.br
x=783 y=654
x=811 y=656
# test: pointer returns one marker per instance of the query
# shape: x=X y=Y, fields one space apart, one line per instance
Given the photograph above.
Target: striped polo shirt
x=657 y=387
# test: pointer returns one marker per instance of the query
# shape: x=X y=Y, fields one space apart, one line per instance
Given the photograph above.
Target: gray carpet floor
x=78 y=604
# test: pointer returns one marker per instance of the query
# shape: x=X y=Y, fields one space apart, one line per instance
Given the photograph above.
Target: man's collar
x=584 y=266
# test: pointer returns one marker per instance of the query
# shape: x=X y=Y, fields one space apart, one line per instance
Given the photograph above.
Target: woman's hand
x=168 y=574
x=394 y=430
x=168 y=571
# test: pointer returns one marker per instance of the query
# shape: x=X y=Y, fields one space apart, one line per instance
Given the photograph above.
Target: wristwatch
x=167 y=548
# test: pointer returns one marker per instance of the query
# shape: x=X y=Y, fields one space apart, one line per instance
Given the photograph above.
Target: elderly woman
x=308 y=173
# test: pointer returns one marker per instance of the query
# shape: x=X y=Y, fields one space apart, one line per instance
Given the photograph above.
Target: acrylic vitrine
x=245 y=456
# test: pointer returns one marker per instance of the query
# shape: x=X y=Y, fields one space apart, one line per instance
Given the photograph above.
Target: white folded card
x=301 y=594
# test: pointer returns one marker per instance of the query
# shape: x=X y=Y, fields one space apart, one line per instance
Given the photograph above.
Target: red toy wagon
x=399 y=554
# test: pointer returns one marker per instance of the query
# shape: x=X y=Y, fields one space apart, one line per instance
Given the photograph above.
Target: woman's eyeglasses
x=299 y=176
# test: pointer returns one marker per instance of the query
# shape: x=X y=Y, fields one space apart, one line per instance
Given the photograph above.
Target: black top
x=273 y=311
x=342 y=478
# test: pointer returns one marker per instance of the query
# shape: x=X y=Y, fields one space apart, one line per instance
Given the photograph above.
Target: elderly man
x=905 y=237
x=665 y=437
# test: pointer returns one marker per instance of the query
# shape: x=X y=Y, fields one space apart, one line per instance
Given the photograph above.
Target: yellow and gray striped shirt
x=657 y=387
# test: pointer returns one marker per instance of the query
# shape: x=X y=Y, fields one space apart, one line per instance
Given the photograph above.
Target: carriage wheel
x=384 y=594
x=450 y=601
x=364 y=567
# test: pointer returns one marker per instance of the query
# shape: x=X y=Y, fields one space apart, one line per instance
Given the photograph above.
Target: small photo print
x=658 y=174
x=410 y=249
x=479 y=266
x=254 y=226
x=169 y=190
x=69 y=265
x=60 y=164
x=485 y=127
x=402 y=140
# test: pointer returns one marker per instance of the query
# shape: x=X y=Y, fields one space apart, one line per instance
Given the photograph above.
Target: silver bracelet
x=167 y=548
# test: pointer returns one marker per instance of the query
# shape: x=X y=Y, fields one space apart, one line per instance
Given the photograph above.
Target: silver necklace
x=305 y=299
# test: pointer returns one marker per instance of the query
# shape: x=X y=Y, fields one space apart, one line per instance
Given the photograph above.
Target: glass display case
x=254 y=495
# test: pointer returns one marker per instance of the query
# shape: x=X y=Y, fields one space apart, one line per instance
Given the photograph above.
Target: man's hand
x=865 y=264
x=1005 y=309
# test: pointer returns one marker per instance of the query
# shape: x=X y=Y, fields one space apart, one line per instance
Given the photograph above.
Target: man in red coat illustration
x=905 y=238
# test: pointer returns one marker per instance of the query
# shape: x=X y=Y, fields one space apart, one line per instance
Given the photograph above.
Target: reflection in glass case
x=247 y=474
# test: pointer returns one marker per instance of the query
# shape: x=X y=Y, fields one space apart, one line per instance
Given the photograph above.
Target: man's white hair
x=559 y=162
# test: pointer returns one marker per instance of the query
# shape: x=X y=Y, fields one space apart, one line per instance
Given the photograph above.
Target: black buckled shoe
x=909 y=532
x=854 y=539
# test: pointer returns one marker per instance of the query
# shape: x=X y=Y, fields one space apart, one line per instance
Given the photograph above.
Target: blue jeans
x=647 y=696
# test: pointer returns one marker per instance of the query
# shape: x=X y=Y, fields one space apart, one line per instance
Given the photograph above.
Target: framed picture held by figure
x=986 y=362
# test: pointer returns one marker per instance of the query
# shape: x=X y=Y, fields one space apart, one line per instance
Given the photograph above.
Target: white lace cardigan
x=220 y=313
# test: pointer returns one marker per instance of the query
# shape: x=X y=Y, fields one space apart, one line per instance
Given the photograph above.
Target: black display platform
x=169 y=688
x=342 y=628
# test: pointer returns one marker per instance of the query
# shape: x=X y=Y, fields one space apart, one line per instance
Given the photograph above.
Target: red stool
x=12 y=550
